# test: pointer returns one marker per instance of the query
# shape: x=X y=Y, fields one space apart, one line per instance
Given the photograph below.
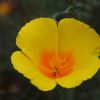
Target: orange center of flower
x=56 y=65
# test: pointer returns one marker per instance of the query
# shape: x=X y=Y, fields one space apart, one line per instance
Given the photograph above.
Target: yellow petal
x=77 y=36
x=84 y=43
x=38 y=36
x=88 y=67
x=25 y=66
x=43 y=83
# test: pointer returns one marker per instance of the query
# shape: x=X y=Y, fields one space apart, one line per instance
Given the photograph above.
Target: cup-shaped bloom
x=51 y=54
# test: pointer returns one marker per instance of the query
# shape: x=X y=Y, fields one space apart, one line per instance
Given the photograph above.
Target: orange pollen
x=55 y=65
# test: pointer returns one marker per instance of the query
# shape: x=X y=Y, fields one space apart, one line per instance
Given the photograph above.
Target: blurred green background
x=13 y=15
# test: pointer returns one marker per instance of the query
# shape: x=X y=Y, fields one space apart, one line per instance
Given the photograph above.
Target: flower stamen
x=56 y=66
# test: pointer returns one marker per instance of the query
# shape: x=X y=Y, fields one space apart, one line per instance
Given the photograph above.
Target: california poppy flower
x=51 y=54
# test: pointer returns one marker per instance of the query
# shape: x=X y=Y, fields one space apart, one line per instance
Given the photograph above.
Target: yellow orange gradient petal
x=25 y=66
x=36 y=36
x=88 y=67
